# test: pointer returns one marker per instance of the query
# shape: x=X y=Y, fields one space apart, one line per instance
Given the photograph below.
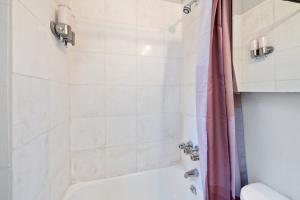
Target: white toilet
x=259 y=191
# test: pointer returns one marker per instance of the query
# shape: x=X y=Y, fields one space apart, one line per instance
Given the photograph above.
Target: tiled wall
x=125 y=87
x=5 y=147
x=278 y=20
x=40 y=104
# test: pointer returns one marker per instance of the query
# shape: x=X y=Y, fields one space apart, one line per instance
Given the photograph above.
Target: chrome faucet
x=188 y=148
x=195 y=155
x=194 y=173
x=193 y=190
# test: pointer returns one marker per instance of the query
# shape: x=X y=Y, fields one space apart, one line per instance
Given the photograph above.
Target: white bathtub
x=161 y=184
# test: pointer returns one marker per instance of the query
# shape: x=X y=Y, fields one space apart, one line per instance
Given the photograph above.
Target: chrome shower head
x=188 y=7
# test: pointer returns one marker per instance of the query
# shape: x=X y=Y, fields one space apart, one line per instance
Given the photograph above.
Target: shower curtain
x=215 y=111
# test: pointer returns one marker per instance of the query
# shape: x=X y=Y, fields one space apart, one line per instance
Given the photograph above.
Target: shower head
x=188 y=7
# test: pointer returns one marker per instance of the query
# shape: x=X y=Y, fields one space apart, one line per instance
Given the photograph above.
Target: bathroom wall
x=125 y=87
x=40 y=104
x=5 y=147
x=271 y=122
x=278 y=20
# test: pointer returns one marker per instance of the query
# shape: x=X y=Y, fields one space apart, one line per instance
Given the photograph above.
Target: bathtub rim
x=76 y=186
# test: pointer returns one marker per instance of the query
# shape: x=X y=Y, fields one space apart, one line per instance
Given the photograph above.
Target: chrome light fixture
x=61 y=28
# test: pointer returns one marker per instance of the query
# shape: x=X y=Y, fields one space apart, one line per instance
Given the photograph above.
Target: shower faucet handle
x=195 y=156
x=187 y=145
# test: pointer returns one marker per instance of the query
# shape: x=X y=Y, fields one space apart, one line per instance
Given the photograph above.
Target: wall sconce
x=264 y=47
x=260 y=47
x=61 y=28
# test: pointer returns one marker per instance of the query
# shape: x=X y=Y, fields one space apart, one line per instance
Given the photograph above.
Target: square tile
x=121 y=160
x=121 y=130
x=120 y=100
x=87 y=133
x=120 y=69
x=87 y=101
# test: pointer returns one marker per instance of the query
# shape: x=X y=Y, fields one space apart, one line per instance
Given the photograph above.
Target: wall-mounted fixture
x=190 y=149
x=260 y=47
x=61 y=28
x=254 y=50
x=264 y=47
x=193 y=190
x=194 y=173
x=188 y=7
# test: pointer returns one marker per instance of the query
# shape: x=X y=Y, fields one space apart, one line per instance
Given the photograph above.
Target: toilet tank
x=259 y=191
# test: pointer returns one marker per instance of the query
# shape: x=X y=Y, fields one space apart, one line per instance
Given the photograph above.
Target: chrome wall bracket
x=63 y=32
x=261 y=52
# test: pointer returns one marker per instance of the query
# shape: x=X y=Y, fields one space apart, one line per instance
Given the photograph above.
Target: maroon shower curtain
x=221 y=153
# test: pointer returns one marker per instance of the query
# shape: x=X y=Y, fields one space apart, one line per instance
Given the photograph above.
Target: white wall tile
x=57 y=60
x=258 y=18
x=146 y=84
x=121 y=160
x=151 y=42
x=259 y=70
x=30 y=169
x=30 y=103
x=87 y=133
x=92 y=9
x=87 y=68
x=158 y=71
x=121 y=130
x=87 y=101
x=88 y=165
x=154 y=128
x=149 y=155
x=121 y=11
x=121 y=39
x=284 y=9
x=150 y=71
x=174 y=41
x=151 y=13
x=158 y=99
x=189 y=69
x=59 y=103
x=189 y=128
x=288 y=86
x=40 y=104
x=59 y=184
x=59 y=148
x=42 y=10
x=289 y=28
x=287 y=64
x=120 y=69
x=172 y=71
x=30 y=43
x=120 y=100
x=189 y=100
x=90 y=37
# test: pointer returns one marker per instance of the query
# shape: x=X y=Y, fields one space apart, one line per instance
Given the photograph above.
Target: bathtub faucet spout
x=194 y=173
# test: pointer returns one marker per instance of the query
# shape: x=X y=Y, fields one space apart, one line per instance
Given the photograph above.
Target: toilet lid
x=259 y=191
